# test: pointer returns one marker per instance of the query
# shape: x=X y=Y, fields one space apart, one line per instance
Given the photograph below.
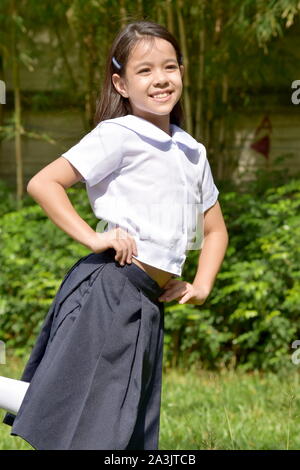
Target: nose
x=160 y=78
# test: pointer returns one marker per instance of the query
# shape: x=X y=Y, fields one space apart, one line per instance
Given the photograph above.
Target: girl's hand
x=119 y=240
x=184 y=291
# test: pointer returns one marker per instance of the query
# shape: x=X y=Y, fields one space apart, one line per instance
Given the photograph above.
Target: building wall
x=284 y=138
x=65 y=127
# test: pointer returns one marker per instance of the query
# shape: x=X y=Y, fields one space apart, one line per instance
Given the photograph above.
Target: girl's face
x=153 y=80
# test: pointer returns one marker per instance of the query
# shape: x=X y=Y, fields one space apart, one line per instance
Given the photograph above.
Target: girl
x=93 y=380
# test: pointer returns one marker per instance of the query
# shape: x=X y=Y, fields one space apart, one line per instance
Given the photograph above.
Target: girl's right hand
x=119 y=240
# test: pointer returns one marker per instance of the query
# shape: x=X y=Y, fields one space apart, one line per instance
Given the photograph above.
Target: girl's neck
x=163 y=122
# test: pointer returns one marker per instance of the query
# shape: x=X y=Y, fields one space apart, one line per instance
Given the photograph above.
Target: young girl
x=93 y=380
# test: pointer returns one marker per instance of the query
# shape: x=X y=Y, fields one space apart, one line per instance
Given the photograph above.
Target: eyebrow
x=150 y=63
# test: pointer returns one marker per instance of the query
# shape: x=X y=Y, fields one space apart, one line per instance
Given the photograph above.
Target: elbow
x=30 y=185
x=227 y=239
x=226 y=232
x=34 y=186
x=37 y=185
x=226 y=236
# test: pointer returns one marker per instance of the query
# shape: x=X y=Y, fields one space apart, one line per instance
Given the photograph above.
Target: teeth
x=161 y=95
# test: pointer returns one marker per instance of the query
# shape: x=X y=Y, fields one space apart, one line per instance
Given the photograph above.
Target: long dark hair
x=110 y=103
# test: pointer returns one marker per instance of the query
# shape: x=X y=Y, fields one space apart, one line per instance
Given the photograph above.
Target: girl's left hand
x=184 y=291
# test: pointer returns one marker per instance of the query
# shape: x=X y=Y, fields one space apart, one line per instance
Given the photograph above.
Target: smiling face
x=152 y=81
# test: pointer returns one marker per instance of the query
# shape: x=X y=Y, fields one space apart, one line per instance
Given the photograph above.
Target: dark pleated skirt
x=95 y=371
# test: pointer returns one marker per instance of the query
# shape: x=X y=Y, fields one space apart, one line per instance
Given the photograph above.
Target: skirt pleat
x=96 y=368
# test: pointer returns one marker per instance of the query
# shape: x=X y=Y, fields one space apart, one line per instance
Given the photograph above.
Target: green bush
x=7 y=199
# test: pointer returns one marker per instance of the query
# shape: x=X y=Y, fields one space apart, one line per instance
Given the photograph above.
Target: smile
x=161 y=96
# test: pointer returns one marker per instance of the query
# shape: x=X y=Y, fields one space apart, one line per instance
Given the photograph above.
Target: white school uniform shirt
x=154 y=186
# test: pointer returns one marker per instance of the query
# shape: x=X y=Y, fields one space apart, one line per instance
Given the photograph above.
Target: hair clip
x=116 y=63
x=181 y=59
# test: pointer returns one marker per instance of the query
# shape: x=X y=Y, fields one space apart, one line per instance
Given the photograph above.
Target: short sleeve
x=209 y=190
x=98 y=153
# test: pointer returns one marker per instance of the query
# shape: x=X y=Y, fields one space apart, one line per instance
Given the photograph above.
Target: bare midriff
x=161 y=277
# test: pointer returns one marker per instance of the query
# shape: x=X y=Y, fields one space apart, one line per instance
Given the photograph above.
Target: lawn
x=209 y=410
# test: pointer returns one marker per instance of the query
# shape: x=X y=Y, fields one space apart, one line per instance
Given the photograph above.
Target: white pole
x=12 y=392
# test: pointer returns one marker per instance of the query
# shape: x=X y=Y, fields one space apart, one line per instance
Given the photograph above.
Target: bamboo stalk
x=221 y=157
x=186 y=79
x=210 y=125
x=170 y=17
x=123 y=13
x=64 y=55
x=199 y=127
x=140 y=8
x=17 y=107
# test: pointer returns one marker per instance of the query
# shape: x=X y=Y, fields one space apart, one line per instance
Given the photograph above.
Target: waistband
x=135 y=274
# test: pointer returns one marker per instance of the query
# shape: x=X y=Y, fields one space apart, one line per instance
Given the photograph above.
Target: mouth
x=161 y=97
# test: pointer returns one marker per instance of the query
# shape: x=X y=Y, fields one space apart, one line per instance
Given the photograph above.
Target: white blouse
x=154 y=186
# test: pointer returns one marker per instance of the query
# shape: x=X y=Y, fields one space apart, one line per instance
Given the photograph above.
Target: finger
x=129 y=252
x=184 y=299
x=124 y=252
x=128 y=248
x=119 y=247
x=169 y=295
x=130 y=244
x=116 y=247
x=119 y=251
x=134 y=248
x=167 y=286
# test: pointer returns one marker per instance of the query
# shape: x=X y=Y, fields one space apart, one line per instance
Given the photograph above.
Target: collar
x=150 y=130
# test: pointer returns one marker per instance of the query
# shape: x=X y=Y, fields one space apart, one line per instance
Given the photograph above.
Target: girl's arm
x=209 y=263
x=214 y=248
x=48 y=189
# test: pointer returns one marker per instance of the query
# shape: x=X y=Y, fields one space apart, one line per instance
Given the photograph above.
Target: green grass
x=230 y=410
x=206 y=410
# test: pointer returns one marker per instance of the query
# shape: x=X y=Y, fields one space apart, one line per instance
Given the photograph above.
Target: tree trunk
x=221 y=163
x=123 y=13
x=209 y=114
x=4 y=97
x=199 y=124
x=88 y=40
x=140 y=8
x=170 y=17
x=160 y=14
x=211 y=131
x=186 y=79
x=64 y=55
x=17 y=107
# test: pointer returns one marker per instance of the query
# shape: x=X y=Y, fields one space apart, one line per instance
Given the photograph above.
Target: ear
x=119 y=84
x=181 y=70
